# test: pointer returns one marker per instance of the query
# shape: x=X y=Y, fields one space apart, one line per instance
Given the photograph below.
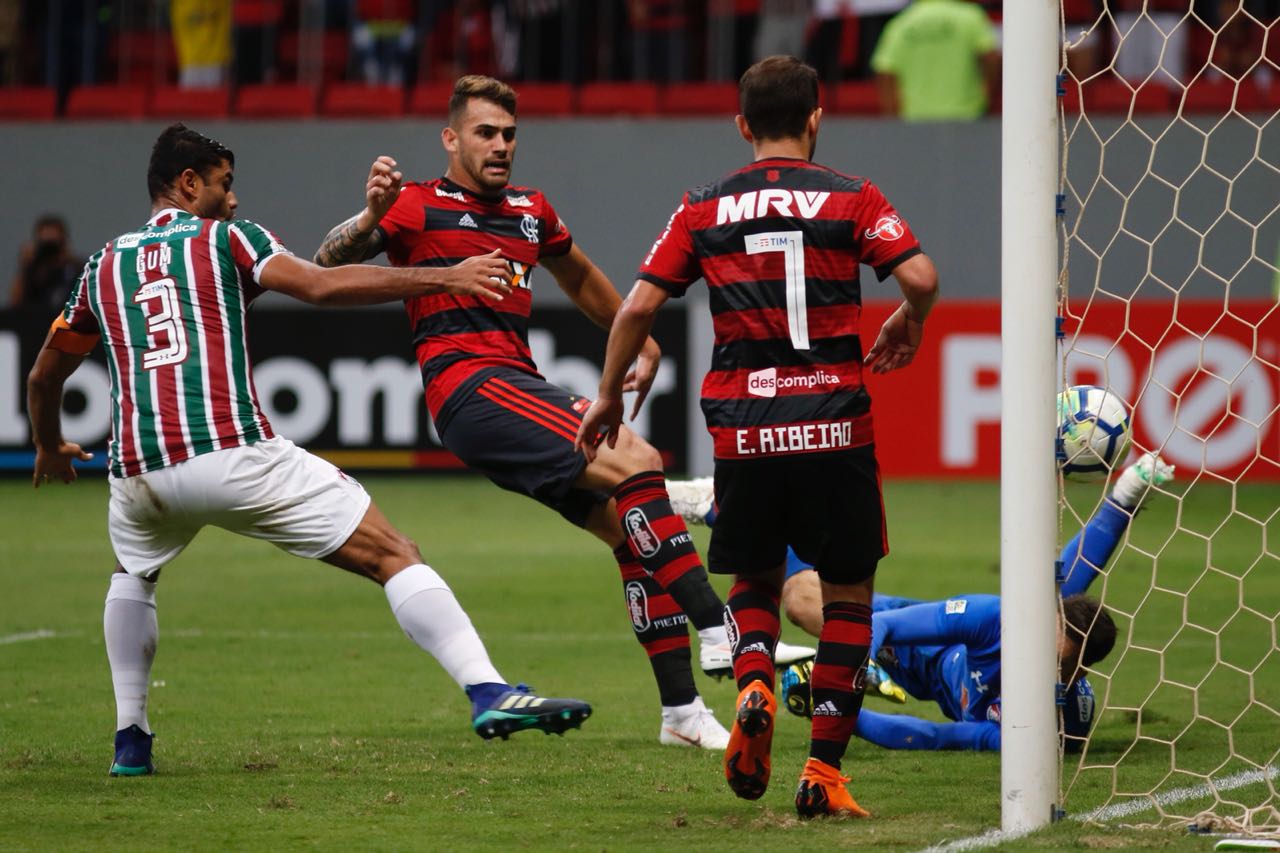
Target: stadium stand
x=275 y=100
x=855 y=98
x=596 y=99
x=175 y=102
x=356 y=100
x=29 y=103
x=107 y=102
x=699 y=99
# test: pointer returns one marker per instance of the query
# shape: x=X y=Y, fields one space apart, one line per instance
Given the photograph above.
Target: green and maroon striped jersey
x=169 y=301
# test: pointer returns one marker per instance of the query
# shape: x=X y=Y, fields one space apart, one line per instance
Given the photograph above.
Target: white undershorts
x=272 y=490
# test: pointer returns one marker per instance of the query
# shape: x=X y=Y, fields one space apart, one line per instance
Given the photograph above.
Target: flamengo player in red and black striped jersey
x=779 y=243
x=496 y=413
x=190 y=445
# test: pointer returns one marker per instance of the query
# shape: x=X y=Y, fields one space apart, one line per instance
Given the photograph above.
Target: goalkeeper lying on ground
x=949 y=651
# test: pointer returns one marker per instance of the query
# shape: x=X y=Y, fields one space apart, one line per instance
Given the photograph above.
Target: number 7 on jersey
x=791 y=245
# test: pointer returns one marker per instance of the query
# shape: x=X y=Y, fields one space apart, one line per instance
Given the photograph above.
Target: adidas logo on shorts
x=467 y=222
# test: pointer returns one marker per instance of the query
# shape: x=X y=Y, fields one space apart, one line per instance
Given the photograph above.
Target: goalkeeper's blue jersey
x=945 y=651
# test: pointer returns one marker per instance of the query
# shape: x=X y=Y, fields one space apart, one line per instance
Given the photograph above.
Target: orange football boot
x=822 y=792
x=746 y=759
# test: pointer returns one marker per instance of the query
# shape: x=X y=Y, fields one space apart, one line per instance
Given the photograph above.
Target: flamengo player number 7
x=791 y=245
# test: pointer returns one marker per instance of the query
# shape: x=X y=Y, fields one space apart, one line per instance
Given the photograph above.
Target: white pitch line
x=992 y=837
x=28 y=636
x=1178 y=795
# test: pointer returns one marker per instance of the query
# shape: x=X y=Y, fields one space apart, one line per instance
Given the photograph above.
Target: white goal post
x=1029 y=774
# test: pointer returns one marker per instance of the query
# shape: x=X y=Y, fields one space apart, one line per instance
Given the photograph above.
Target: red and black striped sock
x=659 y=539
x=752 y=619
x=661 y=628
x=838 y=675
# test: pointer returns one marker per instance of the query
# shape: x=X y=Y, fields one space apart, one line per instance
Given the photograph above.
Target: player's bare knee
x=639 y=454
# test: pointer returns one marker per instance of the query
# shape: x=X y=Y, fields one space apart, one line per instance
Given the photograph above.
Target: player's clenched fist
x=487 y=276
x=383 y=187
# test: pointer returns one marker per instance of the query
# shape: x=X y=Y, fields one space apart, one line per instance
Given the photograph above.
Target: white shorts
x=272 y=490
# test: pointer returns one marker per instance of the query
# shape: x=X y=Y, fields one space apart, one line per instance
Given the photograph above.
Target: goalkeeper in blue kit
x=948 y=652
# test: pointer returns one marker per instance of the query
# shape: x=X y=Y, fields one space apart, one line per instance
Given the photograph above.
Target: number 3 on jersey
x=791 y=245
x=164 y=323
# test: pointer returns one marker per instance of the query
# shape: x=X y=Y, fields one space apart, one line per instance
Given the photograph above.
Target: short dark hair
x=1089 y=626
x=486 y=89
x=179 y=148
x=50 y=220
x=777 y=95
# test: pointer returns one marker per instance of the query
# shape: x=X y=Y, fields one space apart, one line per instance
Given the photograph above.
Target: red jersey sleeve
x=406 y=216
x=672 y=263
x=556 y=240
x=885 y=239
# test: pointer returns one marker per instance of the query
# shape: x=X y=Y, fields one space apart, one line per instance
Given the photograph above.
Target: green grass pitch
x=292 y=713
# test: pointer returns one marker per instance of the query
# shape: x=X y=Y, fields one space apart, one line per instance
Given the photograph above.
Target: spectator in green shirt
x=938 y=60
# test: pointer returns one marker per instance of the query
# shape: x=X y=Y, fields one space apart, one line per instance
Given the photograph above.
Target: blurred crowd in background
x=64 y=43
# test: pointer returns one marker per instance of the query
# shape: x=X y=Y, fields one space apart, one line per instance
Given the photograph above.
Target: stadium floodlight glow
x=1028 y=486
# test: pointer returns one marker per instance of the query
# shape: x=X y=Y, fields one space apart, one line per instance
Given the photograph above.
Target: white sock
x=131 y=631
x=714 y=636
x=427 y=611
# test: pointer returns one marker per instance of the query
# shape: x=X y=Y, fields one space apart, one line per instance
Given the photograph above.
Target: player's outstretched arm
x=971 y=620
x=54 y=454
x=630 y=331
x=901 y=334
x=487 y=276
x=901 y=731
x=359 y=238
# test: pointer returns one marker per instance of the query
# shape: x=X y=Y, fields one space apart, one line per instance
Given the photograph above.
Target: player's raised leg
x=431 y=616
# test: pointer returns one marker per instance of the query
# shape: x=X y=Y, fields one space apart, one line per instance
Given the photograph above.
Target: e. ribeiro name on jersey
x=169 y=302
x=440 y=223
x=779 y=244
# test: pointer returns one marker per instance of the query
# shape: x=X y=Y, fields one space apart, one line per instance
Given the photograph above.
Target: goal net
x=1170 y=230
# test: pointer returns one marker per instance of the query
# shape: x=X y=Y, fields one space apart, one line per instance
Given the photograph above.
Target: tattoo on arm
x=346 y=245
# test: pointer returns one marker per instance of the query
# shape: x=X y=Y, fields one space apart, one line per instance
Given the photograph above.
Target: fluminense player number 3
x=791 y=245
x=164 y=323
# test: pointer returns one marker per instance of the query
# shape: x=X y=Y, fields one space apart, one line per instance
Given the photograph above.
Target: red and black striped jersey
x=438 y=223
x=779 y=243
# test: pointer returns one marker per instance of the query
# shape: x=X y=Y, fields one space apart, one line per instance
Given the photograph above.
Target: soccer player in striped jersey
x=494 y=410
x=190 y=445
x=779 y=243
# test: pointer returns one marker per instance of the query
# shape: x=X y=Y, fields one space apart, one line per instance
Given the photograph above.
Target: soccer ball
x=1093 y=432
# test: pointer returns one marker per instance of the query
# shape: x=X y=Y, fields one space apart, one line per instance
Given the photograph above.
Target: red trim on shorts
x=519 y=408
x=532 y=402
x=562 y=416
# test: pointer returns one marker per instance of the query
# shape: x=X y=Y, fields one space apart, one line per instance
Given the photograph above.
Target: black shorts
x=826 y=506
x=518 y=430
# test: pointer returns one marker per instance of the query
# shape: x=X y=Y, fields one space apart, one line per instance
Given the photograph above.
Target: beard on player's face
x=485 y=145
